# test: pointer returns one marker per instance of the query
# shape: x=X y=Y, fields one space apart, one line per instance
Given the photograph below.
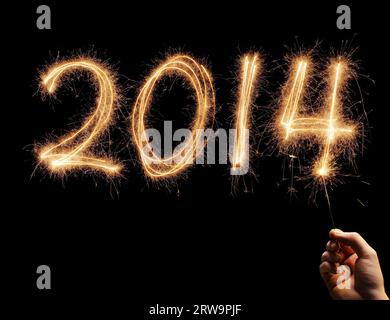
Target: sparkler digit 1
x=72 y=151
x=199 y=79
x=249 y=70
x=329 y=127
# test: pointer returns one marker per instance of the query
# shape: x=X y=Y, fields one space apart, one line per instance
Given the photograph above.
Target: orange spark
x=249 y=70
x=329 y=128
x=71 y=151
x=200 y=80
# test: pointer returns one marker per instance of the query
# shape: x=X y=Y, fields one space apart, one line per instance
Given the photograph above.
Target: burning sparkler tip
x=323 y=172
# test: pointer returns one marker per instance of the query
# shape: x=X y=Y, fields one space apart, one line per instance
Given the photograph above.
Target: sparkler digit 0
x=199 y=78
x=329 y=127
x=249 y=70
x=73 y=150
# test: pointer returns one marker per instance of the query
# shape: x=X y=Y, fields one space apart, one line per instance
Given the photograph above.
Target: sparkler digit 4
x=329 y=127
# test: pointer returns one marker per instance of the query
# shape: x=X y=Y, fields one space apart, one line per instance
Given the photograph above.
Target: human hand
x=350 y=268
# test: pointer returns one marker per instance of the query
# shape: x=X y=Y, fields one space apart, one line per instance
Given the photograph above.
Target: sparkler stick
x=249 y=70
x=72 y=151
x=200 y=80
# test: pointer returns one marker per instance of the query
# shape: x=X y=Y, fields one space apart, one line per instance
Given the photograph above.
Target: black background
x=123 y=245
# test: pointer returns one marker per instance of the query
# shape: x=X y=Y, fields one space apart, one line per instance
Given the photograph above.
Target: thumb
x=354 y=240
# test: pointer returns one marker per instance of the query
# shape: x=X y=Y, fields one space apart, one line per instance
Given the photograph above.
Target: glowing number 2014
x=74 y=150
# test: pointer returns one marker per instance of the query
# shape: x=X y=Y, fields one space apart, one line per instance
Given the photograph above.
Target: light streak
x=249 y=70
x=200 y=80
x=73 y=150
x=330 y=127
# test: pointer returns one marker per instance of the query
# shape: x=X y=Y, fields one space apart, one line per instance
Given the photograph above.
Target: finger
x=347 y=249
x=333 y=257
x=354 y=240
x=328 y=267
x=332 y=245
x=351 y=260
x=329 y=274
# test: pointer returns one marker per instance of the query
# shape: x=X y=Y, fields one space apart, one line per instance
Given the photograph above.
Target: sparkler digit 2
x=200 y=80
x=71 y=151
x=249 y=70
x=329 y=127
